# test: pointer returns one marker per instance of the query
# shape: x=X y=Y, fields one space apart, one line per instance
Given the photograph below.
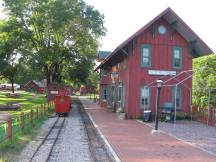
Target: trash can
x=168 y=111
x=147 y=116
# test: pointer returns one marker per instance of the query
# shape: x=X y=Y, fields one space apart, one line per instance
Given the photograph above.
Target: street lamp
x=159 y=86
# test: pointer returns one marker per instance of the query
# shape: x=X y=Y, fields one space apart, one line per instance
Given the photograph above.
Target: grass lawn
x=27 y=100
x=11 y=148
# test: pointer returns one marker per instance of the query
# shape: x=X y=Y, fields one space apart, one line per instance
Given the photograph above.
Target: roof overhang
x=181 y=27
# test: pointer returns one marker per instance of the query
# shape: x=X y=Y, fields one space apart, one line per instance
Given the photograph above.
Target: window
x=103 y=72
x=145 y=98
x=105 y=93
x=177 y=57
x=118 y=65
x=178 y=97
x=113 y=94
x=146 y=56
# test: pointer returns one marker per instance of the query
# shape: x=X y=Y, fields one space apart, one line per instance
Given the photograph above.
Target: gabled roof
x=103 y=54
x=38 y=83
x=170 y=16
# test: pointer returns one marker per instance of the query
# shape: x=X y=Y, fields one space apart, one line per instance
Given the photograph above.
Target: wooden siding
x=135 y=76
x=162 y=54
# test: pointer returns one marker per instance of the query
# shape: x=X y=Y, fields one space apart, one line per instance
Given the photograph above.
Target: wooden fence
x=18 y=123
x=204 y=115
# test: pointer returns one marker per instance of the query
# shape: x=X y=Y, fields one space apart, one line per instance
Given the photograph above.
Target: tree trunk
x=56 y=74
x=12 y=85
x=48 y=74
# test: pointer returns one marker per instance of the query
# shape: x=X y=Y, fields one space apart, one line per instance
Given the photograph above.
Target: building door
x=113 y=95
x=121 y=96
x=177 y=97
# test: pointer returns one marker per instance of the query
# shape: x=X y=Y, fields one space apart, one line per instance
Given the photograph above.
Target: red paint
x=32 y=86
x=62 y=104
x=57 y=89
x=134 y=76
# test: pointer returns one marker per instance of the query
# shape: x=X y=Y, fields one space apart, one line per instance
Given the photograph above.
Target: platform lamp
x=159 y=86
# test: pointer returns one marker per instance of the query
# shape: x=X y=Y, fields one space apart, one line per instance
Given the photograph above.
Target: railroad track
x=97 y=147
x=44 y=151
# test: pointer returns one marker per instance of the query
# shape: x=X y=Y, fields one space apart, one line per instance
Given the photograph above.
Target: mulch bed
x=12 y=107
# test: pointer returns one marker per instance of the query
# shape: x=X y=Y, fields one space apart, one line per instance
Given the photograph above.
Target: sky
x=124 y=17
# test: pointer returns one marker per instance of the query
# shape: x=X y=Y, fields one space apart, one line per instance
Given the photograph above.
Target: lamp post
x=159 y=86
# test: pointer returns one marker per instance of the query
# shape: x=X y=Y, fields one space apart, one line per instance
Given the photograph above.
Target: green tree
x=10 y=43
x=80 y=71
x=59 y=33
x=204 y=78
x=27 y=72
x=92 y=80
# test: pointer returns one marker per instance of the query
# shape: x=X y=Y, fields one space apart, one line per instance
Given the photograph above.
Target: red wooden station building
x=163 y=48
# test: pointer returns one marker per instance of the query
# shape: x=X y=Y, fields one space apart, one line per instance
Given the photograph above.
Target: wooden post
x=9 y=127
x=37 y=112
x=45 y=109
x=22 y=120
x=41 y=109
x=31 y=116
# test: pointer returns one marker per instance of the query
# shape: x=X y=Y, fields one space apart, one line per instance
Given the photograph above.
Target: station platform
x=133 y=141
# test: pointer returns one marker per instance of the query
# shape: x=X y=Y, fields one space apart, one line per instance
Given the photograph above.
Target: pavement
x=133 y=141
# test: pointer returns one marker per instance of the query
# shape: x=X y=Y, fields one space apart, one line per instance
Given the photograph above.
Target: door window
x=145 y=98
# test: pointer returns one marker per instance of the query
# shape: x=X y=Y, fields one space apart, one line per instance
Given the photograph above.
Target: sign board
x=161 y=72
x=54 y=92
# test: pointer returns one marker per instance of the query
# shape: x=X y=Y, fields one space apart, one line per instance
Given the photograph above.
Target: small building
x=55 y=89
x=34 y=86
x=162 y=48
x=8 y=86
x=102 y=55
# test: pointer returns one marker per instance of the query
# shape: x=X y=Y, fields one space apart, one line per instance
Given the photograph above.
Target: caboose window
x=177 y=57
x=146 y=56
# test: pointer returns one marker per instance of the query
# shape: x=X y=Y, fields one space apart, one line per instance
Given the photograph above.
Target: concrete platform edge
x=107 y=145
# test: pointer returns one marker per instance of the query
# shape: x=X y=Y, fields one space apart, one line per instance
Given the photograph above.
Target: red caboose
x=62 y=104
x=60 y=94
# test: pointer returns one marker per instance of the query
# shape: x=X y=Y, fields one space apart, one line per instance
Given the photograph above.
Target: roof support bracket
x=153 y=30
x=124 y=51
x=173 y=27
x=191 y=47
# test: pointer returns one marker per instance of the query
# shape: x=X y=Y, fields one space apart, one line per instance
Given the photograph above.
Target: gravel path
x=198 y=134
x=71 y=146
x=28 y=151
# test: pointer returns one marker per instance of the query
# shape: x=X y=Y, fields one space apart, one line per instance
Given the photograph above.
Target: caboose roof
x=182 y=28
